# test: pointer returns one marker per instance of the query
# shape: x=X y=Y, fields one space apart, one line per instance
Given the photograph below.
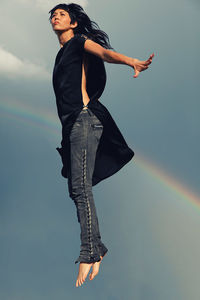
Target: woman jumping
x=92 y=147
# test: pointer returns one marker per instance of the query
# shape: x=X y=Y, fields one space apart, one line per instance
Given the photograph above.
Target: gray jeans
x=84 y=139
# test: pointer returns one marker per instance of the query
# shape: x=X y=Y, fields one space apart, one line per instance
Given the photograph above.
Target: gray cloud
x=44 y=5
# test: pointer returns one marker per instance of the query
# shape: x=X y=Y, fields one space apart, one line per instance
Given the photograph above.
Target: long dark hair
x=85 y=25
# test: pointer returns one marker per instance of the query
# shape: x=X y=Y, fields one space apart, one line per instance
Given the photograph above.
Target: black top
x=113 y=152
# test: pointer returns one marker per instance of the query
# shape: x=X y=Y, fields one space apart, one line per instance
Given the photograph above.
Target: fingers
x=151 y=56
x=149 y=60
x=139 y=69
x=136 y=73
x=142 y=65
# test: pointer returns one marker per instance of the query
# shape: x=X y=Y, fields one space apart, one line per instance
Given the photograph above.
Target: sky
x=149 y=211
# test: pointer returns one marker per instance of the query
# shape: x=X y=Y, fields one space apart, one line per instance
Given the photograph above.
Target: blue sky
x=151 y=231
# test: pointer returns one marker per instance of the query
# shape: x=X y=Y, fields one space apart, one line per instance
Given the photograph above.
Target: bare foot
x=84 y=269
x=95 y=268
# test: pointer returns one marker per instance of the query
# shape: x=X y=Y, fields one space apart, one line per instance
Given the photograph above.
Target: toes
x=77 y=283
x=80 y=282
x=93 y=274
x=91 y=277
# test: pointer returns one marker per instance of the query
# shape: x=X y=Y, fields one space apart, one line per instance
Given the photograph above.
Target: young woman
x=92 y=146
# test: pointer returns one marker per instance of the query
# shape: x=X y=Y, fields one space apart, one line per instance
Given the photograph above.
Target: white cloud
x=13 y=67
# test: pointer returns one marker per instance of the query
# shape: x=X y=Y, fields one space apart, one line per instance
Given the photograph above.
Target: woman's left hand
x=141 y=65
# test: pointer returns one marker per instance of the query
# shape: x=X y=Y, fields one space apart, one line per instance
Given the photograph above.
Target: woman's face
x=61 y=20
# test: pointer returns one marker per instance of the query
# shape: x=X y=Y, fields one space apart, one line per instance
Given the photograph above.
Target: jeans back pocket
x=97 y=130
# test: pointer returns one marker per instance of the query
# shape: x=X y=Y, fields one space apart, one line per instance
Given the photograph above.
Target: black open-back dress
x=112 y=152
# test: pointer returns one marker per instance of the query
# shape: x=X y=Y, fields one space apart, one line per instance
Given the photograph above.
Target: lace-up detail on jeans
x=89 y=220
x=88 y=209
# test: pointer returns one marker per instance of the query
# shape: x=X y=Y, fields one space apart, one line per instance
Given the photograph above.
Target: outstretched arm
x=117 y=58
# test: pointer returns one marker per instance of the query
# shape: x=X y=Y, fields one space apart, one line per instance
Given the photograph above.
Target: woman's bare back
x=86 y=98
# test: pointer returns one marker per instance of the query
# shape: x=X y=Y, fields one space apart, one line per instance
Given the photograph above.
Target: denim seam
x=88 y=209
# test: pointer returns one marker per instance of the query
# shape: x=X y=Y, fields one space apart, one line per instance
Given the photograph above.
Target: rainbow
x=46 y=120
x=169 y=181
x=41 y=118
